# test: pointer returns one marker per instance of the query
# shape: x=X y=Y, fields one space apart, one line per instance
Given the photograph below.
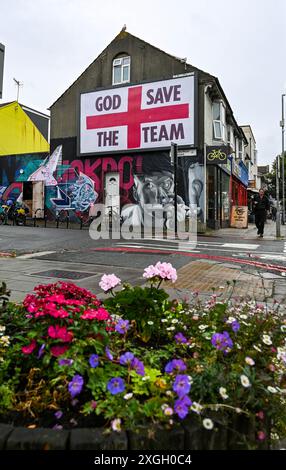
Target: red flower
x=60 y=332
x=59 y=350
x=91 y=314
x=30 y=348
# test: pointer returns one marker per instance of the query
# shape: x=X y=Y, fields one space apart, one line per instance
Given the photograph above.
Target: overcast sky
x=50 y=42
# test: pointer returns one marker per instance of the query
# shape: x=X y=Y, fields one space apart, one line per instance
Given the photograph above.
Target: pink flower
x=59 y=350
x=60 y=332
x=109 y=281
x=162 y=270
x=260 y=415
x=30 y=348
x=261 y=435
x=59 y=299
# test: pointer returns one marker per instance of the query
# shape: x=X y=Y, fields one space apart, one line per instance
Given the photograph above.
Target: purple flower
x=181 y=406
x=182 y=385
x=108 y=354
x=126 y=359
x=58 y=414
x=65 y=362
x=41 y=351
x=75 y=385
x=122 y=326
x=138 y=366
x=116 y=385
x=58 y=427
x=93 y=360
x=222 y=341
x=235 y=326
x=109 y=281
x=177 y=365
x=180 y=338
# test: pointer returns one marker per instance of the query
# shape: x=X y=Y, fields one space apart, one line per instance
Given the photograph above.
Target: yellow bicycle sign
x=216 y=154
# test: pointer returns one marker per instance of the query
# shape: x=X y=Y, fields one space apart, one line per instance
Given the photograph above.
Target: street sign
x=187 y=153
x=2 y=52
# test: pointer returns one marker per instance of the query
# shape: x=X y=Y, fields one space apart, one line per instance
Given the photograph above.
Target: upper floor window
x=121 y=70
x=240 y=150
x=218 y=121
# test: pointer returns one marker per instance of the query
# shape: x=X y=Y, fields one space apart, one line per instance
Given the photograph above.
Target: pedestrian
x=274 y=210
x=261 y=206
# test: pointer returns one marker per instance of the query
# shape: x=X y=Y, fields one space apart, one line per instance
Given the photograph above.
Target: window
x=240 y=150
x=121 y=70
x=219 y=121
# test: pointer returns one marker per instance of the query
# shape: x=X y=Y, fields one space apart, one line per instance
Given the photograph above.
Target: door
x=38 y=199
x=112 y=196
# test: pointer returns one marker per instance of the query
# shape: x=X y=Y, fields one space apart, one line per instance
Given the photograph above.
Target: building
x=23 y=146
x=116 y=122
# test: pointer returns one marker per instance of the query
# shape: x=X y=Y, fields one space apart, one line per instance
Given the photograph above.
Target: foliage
x=142 y=358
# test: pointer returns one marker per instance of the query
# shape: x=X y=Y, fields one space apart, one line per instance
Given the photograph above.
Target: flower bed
x=211 y=374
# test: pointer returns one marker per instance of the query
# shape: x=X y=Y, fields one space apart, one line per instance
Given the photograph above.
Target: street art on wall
x=74 y=185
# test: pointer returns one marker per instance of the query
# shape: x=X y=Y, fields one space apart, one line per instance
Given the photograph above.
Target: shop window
x=218 y=121
x=121 y=70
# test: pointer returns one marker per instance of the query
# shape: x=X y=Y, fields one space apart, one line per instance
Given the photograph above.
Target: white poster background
x=89 y=138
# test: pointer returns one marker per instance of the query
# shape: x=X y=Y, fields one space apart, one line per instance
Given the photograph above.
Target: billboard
x=144 y=116
x=2 y=51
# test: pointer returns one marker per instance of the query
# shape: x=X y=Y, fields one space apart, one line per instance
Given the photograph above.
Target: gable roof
x=122 y=35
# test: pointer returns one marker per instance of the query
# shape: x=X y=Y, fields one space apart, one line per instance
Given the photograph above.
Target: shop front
x=218 y=187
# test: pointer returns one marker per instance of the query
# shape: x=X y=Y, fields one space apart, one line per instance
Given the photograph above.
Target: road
x=43 y=255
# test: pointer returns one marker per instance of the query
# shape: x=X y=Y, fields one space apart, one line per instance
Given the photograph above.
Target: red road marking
x=134 y=116
x=272 y=267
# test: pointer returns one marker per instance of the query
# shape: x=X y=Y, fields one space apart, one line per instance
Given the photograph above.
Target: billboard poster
x=143 y=116
x=2 y=51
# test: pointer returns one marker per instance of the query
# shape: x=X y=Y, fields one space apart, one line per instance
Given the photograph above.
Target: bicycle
x=216 y=154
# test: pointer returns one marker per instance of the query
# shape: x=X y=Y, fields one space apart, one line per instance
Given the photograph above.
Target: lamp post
x=278 y=233
x=282 y=125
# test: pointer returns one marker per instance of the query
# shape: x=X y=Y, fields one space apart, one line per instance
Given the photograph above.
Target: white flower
x=207 y=423
x=169 y=393
x=150 y=322
x=164 y=320
x=230 y=320
x=175 y=320
x=191 y=380
x=2 y=329
x=128 y=396
x=249 y=361
x=272 y=389
x=222 y=392
x=146 y=377
x=281 y=354
x=168 y=411
x=244 y=317
x=116 y=424
x=283 y=328
x=203 y=327
x=171 y=328
x=257 y=348
x=266 y=340
x=196 y=407
x=245 y=381
x=238 y=346
x=5 y=340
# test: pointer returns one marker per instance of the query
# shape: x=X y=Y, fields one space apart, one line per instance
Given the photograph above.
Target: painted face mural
x=196 y=186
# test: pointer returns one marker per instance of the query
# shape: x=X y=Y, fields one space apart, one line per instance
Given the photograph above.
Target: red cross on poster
x=145 y=116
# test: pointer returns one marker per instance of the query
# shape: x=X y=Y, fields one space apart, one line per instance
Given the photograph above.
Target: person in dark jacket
x=261 y=206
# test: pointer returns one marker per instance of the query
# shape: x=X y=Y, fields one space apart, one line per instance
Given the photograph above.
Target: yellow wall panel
x=18 y=134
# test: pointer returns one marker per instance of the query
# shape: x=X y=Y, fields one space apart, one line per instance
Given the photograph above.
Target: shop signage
x=239 y=216
x=240 y=171
x=217 y=155
x=145 y=116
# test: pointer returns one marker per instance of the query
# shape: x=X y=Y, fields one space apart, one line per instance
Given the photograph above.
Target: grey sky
x=50 y=42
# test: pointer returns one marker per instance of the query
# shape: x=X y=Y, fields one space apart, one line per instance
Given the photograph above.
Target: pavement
x=228 y=261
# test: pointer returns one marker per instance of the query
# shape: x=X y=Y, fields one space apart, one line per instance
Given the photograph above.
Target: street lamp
x=282 y=125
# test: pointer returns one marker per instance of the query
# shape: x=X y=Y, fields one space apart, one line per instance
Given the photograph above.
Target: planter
x=187 y=436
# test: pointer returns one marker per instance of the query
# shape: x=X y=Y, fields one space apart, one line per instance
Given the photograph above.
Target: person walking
x=261 y=206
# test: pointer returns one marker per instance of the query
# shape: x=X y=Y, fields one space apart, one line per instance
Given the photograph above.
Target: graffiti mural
x=76 y=184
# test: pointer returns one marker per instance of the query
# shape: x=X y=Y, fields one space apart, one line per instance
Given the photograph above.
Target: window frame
x=221 y=122
x=119 y=62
